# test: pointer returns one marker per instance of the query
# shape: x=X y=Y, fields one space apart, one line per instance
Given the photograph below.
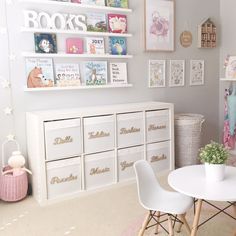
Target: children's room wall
x=195 y=99
x=227 y=48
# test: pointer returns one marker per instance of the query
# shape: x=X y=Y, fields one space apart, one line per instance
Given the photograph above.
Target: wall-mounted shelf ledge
x=78 y=87
x=64 y=55
x=76 y=5
x=77 y=32
x=227 y=79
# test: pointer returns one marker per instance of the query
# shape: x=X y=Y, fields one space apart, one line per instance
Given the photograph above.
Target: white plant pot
x=214 y=172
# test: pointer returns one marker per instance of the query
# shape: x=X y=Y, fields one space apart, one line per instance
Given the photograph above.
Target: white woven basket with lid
x=188 y=127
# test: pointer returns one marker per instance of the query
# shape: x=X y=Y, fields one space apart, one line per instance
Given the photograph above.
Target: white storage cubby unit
x=72 y=152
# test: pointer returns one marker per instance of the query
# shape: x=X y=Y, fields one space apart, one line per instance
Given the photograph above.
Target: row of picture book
x=109 y=3
x=40 y=72
x=47 y=43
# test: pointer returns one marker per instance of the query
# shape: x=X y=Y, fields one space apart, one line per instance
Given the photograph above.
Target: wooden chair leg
x=171 y=231
x=158 y=220
x=196 y=217
x=183 y=219
x=180 y=225
x=144 y=225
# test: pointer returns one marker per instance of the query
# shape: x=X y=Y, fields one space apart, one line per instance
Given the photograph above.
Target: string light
x=6 y=84
x=8 y=111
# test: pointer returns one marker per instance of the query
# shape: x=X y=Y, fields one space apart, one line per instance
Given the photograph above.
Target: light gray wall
x=196 y=99
x=228 y=17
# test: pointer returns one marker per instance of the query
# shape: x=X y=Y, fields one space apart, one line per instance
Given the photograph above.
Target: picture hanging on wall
x=159 y=25
x=230 y=71
x=157 y=75
x=196 y=72
x=177 y=68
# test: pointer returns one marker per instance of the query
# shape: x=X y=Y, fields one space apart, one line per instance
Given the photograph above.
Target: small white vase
x=214 y=172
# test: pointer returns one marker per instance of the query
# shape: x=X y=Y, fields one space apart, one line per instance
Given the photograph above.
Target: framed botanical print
x=177 y=68
x=159 y=25
x=196 y=72
x=157 y=73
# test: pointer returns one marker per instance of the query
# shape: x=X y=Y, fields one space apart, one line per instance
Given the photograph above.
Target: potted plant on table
x=214 y=155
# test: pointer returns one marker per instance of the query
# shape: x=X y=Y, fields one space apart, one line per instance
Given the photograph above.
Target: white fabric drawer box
x=99 y=169
x=130 y=129
x=63 y=177
x=157 y=125
x=62 y=138
x=98 y=134
x=158 y=154
x=126 y=159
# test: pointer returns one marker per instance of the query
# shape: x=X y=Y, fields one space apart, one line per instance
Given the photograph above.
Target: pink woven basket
x=12 y=188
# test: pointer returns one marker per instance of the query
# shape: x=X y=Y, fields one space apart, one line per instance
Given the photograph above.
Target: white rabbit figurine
x=17 y=163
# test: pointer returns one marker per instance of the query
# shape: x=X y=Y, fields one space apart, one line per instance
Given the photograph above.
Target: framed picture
x=159 y=25
x=157 y=73
x=177 y=68
x=230 y=71
x=196 y=72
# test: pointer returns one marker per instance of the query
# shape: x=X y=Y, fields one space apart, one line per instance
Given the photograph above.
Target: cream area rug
x=110 y=212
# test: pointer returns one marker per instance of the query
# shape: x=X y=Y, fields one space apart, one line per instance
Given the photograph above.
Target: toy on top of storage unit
x=16 y=162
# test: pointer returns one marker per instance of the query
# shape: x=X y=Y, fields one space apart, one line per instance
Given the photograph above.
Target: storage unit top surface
x=98 y=110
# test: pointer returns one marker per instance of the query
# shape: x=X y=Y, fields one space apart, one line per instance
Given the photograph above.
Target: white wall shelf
x=227 y=79
x=76 y=32
x=76 y=5
x=82 y=87
x=65 y=55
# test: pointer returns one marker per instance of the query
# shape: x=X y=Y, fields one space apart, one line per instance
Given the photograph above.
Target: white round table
x=191 y=181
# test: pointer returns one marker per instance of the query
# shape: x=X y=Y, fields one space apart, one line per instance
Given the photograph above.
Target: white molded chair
x=158 y=201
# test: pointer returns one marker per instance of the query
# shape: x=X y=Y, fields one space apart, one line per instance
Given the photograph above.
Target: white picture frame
x=197 y=68
x=159 y=25
x=177 y=73
x=230 y=71
x=157 y=74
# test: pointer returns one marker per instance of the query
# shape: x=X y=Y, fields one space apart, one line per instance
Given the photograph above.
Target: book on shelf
x=117 y=23
x=95 y=72
x=39 y=72
x=117 y=3
x=67 y=75
x=118 y=73
x=96 y=22
x=74 y=46
x=45 y=43
x=95 y=45
x=62 y=0
x=118 y=45
x=76 y=1
x=93 y=2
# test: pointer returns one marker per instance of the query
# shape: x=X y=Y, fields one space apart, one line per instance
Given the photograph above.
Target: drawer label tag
x=60 y=140
x=125 y=164
x=153 y=127
x=98 y=171
x=98 y=134
x=129 y=130
x=58 y=180
x=158 y=158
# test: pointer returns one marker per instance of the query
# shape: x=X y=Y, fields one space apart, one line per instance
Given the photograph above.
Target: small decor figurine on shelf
x=214 y=155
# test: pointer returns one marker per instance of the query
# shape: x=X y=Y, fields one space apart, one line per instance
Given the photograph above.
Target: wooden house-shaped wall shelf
x=207 y=34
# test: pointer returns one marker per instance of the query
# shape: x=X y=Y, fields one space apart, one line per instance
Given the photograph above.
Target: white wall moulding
x=75 y=32
x=75 y=5
x=66 y=55
x=48 y=89
x=99 y=161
